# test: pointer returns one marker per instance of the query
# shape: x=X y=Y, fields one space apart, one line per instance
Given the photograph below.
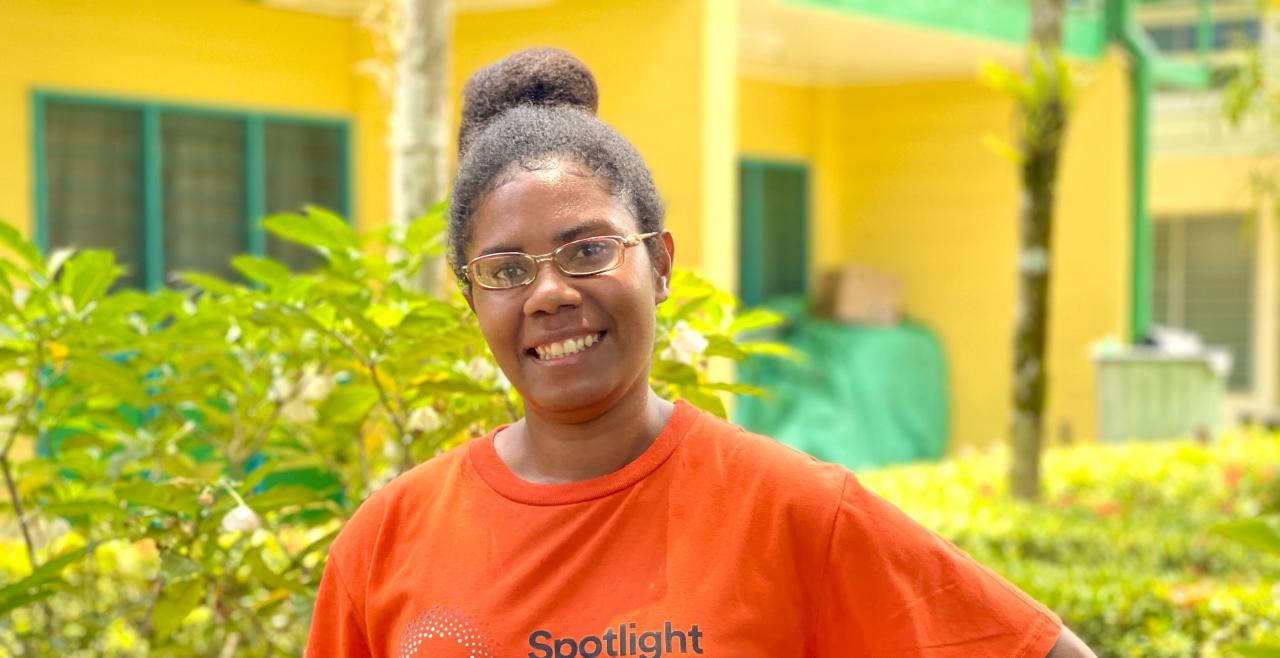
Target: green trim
x=1148 y=68
x=152 y=198
x=39 y=183
x=348 y=192
x=1084 y=32
x=751 y=237
x=751 y=245
x=152 y=179
x=172 y=106
x=255 y=184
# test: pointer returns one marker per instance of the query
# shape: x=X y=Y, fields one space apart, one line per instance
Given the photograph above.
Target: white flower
x=687 y=344
x=314 y=386
x=424 y=420
x=480 y=369
x=14 y=382
x=501 y=380
x=241 y=519
x=281 y=389
x=298 y=412
x=233 y=333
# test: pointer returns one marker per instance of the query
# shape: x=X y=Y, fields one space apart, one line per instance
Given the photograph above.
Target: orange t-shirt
x=714 y=542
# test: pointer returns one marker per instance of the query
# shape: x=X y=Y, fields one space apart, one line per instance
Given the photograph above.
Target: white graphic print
x=444 y=632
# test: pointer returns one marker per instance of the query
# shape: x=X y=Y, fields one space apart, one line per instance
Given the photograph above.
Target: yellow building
x=161 y=127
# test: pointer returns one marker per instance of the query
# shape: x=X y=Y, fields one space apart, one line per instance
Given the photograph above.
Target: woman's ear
x=663 y=257
x=466 y=294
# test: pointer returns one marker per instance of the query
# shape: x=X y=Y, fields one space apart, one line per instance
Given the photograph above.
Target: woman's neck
x=541 y=449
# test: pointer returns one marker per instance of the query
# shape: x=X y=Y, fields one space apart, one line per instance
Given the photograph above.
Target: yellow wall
x=659 y=69
x=904 y=183
x=220 y=53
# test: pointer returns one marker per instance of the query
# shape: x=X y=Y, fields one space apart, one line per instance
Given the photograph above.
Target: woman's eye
x=509 y=272
x=590 y=250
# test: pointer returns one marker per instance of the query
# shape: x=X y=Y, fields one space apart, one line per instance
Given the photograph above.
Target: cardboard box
x=860 y=295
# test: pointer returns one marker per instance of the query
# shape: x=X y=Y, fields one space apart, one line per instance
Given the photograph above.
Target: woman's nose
x=550 y=290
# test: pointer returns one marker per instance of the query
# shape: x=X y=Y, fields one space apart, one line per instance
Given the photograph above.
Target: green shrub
x=182 y=459
x=1121 y=548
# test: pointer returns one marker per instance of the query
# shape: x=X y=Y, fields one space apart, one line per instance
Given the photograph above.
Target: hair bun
x=537 y=76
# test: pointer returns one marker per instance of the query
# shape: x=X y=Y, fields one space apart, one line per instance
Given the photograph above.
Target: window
x=1204 y=282
x=169 y=188
x=1227 y=34
x=774 y=201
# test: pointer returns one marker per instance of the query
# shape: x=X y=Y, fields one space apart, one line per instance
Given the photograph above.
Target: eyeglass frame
x=627 y=242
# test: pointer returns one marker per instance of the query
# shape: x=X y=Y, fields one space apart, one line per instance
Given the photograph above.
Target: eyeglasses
x=578 y=258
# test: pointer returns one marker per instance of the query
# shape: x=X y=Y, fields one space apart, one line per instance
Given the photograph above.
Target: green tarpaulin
x=863 y=397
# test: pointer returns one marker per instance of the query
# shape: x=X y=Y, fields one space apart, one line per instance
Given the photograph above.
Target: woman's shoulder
x=726 y=452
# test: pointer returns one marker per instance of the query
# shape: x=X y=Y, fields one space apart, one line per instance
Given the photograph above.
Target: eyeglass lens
x=580 y=258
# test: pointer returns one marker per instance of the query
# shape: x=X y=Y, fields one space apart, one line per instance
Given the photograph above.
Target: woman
x=608 y=521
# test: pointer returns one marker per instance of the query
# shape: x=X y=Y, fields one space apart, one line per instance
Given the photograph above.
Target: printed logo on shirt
x=625 y=641
x=444 y=632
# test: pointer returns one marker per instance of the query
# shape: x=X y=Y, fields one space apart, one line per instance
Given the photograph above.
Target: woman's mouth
x=564 y=348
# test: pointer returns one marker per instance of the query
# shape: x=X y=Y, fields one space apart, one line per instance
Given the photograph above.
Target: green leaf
x=319 y=228
x=177 y=600
x=722 y=346
x=349 y=403
x=773 y=349
x=1261 y=533
x=170 y=498
x=177 y=567
x=756 y=318
x=705 y=400
x=107 y=375
x=1255 y=650
x=88 y=275
x=427 y=229
x=47 y=577
x=736 y=389
x=280 y=497
x=674 y=372
x=264 y=575
x=207 y=282
x=266 y=271
x=13 y=240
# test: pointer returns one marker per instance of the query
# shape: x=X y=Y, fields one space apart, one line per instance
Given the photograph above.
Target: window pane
x=93 y=178
x=304 y=166
x=1219 y=290
x=203 y=165
x=1162 y=273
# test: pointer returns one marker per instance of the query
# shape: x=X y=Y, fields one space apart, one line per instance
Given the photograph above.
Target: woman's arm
x=1070 y=646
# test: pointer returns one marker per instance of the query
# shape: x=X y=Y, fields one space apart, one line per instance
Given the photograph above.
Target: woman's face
x=536 y=212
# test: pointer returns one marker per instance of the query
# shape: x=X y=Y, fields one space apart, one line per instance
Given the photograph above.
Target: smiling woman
x=609 y=521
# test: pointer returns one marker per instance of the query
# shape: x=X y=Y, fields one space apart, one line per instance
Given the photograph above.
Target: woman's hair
x=526 y=111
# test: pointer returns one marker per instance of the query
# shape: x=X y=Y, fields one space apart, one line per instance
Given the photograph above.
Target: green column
x=152 y=198
x=255 y=184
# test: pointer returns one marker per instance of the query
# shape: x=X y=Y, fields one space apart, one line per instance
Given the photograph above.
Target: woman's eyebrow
x=574 y=232
x=567 y=235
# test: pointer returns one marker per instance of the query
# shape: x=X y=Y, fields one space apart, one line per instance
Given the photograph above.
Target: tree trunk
x=1043 y=125
x=420 y=118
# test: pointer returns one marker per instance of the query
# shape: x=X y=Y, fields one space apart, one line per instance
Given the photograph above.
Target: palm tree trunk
x=420 y=118
x=1043 y=125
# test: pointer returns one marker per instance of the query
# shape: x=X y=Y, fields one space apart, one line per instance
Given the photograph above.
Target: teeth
x=566 y=347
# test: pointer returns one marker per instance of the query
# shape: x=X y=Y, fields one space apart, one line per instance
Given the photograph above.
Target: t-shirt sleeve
x=890 y=587
x=337 y=627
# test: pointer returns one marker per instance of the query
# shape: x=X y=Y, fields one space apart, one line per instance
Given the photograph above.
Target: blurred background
x=856 y=166
x=794 y=141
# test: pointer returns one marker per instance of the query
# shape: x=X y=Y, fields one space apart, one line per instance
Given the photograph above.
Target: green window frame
x=259 y=169
x=773 y=255
x=1204 y=280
